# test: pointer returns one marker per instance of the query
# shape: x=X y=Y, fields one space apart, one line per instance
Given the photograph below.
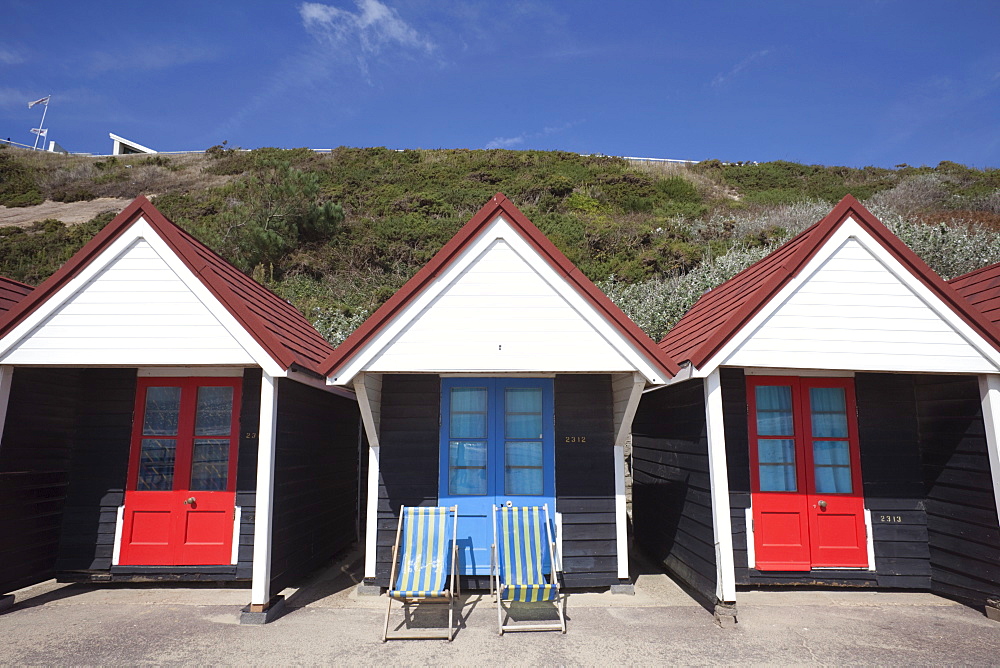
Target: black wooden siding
x=961 y=509
x=99 y=467
x=585 y=486
x=408 y=463
x=890 y=470
x=671 y=489
x=585 y=479
x=315 y=481
x=34 y=469
x=246 y=470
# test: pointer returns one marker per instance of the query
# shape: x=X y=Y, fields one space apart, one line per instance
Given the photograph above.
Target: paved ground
x=327 y=623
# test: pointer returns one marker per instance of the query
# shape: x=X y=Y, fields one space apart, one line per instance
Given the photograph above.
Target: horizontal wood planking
x=672 y=502
x=962 y=520
x=585 y=483
x=315 y=481
x=853 y=313
x=34 y=471
x=500 y=314
x=110 y=321
x=408 y=473
x=100 y=453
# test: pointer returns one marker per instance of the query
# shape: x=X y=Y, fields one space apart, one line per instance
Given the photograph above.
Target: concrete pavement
x=327 y=623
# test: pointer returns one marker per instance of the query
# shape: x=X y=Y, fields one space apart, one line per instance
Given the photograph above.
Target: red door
x=180 y=498
x=808 y=507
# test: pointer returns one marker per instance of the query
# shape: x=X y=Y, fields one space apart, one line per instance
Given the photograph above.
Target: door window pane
x=467 y=467
x=468 y=412
x=156 y=465
x=832 y=461
x=523 y=468
x=210 y=464
x=776 y=459
x=774 y=410
x=829 y=412
x=523 y=413
x=163 y=404
x=214 y=416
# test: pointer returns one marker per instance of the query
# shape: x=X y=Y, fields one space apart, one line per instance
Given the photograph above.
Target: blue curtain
x=776 y=459
x=828 y=406
x=467 y=467
x=832 y=461
x=468 y=412
x=774 y=410
x=523 y=468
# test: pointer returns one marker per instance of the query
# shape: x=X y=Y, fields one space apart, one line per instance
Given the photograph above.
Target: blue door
x=497 y=446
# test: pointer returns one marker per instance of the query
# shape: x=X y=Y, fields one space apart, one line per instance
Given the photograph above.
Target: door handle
x=822 y=505
x=190 y=501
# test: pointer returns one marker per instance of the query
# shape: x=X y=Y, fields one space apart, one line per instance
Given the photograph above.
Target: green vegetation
x=337 y=234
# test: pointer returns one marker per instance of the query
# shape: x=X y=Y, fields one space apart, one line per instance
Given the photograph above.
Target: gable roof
x=499 y=205
x=280 y=329
x=11 y=292
x=982 y=289
x=722 y=312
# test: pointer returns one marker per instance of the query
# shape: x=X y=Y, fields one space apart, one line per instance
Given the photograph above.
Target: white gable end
x=499 y=308
x=134 y=310
x=857 y=308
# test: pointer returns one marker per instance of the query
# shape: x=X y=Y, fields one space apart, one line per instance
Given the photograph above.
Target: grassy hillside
x=338 y=233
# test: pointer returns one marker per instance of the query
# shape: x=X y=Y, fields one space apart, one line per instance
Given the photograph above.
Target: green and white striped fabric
x=525 y=557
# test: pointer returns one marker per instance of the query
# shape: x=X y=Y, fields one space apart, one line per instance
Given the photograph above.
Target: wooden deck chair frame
x=448 y=596
x=498 y=587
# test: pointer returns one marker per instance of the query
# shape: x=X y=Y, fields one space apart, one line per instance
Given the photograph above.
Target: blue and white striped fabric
x=524 y=556
x=425 y=556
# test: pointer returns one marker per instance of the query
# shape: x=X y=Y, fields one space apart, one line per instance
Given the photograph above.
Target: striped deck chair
x=525 y=565
x=424 y=558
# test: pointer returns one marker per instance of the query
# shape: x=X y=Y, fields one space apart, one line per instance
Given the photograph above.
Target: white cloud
x=508 y=142
x=373 y=31
x=148 y=57
x=13 y=98
x=722 y=79
x=10 y=57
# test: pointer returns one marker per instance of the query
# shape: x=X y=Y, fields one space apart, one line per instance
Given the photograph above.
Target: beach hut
x=499 y=374
x=164 y=417
x=834 y=422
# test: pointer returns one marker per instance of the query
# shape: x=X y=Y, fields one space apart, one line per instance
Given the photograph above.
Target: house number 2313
x=575 y=439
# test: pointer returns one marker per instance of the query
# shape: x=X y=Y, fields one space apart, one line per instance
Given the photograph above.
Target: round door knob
x=190 y=501
x=822 y=505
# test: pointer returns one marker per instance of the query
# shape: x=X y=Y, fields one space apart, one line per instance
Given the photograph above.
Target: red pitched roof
x=498 y=205
x=982 y=289
x=721 y=313
x=11 y=292
x=274 y=323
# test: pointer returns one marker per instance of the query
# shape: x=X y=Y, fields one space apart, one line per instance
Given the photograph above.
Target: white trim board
x=955 y=339
x=610 y=351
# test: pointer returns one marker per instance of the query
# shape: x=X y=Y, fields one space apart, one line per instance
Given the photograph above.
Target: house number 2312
x=575 y=439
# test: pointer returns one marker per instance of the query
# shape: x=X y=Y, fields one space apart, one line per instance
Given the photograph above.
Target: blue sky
x=880 y=82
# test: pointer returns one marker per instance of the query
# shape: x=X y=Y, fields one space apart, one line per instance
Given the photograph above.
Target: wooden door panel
x=198 y=431
x=781 y=534
x=838 y=534
x=817 y=518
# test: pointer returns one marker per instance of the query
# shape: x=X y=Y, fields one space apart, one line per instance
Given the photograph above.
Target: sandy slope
x=70 y=213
